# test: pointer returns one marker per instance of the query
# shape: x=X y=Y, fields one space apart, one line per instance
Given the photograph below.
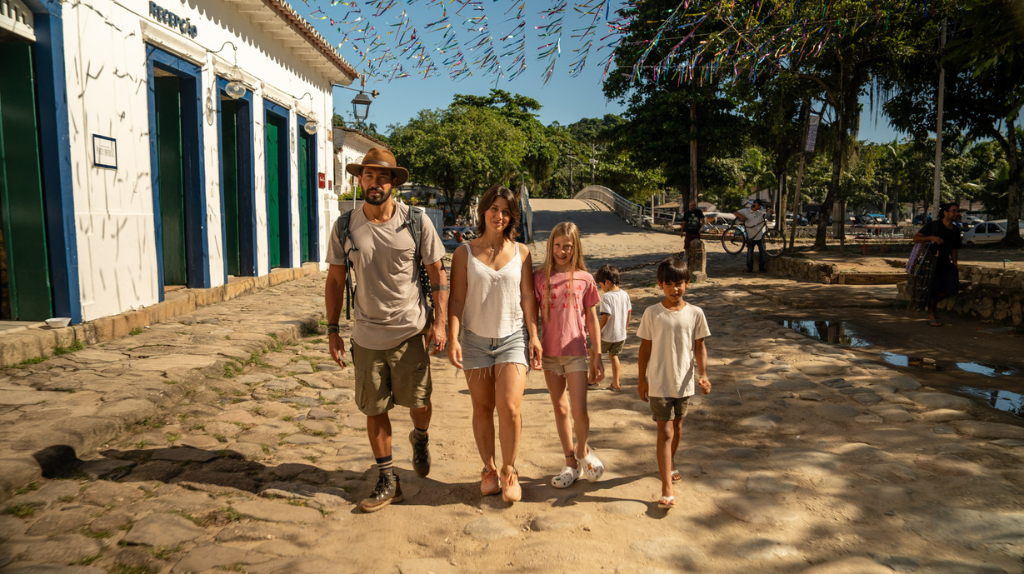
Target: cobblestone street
x=228 y=441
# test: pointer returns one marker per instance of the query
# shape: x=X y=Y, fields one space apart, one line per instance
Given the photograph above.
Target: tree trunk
x=833 y=187
x=1014 y=169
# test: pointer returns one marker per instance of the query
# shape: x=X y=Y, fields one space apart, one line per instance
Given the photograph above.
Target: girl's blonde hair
x=563 y=229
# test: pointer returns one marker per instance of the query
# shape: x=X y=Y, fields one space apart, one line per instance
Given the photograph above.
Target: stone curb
x=25 y=344
x=20 y=470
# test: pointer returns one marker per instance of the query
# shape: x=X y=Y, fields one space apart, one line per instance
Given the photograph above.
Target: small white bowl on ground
x=58 y=322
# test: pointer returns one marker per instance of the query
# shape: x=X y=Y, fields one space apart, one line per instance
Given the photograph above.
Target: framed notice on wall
x=104 y=151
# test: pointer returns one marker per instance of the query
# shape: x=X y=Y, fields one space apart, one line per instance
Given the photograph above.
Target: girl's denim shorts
x=481 y=352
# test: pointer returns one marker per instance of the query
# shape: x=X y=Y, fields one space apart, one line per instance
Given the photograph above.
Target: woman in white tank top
x=492 y=317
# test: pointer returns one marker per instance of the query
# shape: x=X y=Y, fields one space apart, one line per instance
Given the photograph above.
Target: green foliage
x=24 y=510
x=62 y=350
x=461 y=150
x=135 y=331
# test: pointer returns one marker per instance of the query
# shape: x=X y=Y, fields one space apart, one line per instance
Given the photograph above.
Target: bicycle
x=734 y=239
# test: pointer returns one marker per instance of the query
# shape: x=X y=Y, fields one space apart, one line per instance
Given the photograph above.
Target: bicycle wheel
x=733 y=240
x=774 y=242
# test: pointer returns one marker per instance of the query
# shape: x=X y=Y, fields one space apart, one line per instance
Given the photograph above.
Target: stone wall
x=983 y=301
x=804 y=269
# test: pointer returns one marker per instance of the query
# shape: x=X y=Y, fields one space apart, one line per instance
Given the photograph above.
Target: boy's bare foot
x=676 y=476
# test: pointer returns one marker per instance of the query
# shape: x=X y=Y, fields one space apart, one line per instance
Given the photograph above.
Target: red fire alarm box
x=321 y=180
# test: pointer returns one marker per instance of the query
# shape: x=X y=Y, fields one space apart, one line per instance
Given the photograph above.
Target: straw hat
x=378 y=157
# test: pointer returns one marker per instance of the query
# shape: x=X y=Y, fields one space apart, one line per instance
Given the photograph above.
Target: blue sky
x=564 y=98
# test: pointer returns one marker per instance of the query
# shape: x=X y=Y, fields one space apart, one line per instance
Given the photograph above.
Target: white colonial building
x=155 y=144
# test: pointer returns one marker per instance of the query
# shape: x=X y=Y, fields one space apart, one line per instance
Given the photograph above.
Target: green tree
x=461 y=150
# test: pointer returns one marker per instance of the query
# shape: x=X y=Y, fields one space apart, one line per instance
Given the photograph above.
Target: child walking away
x=568 y=300
x=672 y=357
x=616 y=310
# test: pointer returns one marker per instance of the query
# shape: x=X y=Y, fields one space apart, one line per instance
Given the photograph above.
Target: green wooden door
x=304 y=188
x=229 y=165
x=274 y=193
x=167 y=90
x=27 y=290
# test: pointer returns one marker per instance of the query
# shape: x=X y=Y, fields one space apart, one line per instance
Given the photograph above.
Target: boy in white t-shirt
x=616 y=311
x=672 y=354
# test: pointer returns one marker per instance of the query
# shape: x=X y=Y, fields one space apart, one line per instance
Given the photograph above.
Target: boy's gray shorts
x=662 y=407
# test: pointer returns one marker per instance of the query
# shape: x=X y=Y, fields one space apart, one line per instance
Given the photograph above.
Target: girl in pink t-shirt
x=567 y=297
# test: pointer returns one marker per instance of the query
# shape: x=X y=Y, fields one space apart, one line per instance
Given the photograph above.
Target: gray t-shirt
x=388 y=306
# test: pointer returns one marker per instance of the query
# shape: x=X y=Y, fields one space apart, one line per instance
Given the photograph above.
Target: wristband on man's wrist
x=333 y=328
x=436 y=288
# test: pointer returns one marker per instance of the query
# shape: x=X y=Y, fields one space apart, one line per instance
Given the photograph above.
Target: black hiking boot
x=420 y=454
x=388 y=490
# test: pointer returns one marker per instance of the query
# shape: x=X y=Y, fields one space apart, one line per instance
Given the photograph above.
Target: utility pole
x=693 y=151
x=593 y=162
x=937 y=192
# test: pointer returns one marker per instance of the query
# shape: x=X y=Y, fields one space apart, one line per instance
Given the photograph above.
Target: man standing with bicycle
x=753 y=219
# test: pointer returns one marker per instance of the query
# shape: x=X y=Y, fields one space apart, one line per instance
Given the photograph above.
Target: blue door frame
x=285 y=183
x=312 y=197
x=55 y=157
x=246 y=184
x=197 y=255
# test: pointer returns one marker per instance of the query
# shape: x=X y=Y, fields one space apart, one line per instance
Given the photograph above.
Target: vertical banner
x=812 y=132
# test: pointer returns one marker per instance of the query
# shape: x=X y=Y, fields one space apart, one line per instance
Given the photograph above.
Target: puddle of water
x=1005 y=401
x=832 y=332
x=987 y=369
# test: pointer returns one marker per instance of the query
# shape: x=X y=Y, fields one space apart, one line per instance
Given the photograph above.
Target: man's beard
x=369 y=199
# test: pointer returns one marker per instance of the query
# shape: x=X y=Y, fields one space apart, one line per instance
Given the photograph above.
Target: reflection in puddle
x=1006 y=401
x=832 y=332
x=987 y=369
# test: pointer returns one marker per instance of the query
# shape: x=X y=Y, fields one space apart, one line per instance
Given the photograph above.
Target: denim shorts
x=481 y=352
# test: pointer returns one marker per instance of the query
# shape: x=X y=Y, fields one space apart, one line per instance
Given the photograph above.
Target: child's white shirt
x=616 y=305
x=672 y=367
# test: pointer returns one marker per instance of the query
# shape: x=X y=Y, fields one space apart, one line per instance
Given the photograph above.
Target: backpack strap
x=416 y=228
x=343 y=235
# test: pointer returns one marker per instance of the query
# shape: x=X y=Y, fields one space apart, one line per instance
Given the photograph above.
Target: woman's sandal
x=511 y=490
x=568 y=475
x=667 y=502
x=676 y=476
x=489 y=482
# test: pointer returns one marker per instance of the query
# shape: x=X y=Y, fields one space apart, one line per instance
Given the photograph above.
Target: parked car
x=800 y=221
x=988 y=232
x=717 y=222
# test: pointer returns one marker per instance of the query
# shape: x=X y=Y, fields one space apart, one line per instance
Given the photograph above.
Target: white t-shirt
x=616 y=305
x=389 y=307
x=753 y=221
x=672 y=368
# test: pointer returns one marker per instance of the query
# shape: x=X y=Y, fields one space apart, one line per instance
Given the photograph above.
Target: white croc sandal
x=591 y=467
x=566 y=477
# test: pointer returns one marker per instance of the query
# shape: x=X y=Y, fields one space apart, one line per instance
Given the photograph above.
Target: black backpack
x=415 y=226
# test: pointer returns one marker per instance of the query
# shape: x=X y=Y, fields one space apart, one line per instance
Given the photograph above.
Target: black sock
x=385 y=464
x=420 y=433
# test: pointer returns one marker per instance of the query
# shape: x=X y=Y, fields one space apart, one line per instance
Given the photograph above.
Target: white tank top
x=493 y=306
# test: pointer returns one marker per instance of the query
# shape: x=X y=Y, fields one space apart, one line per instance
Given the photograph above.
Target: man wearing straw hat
x=391 y=329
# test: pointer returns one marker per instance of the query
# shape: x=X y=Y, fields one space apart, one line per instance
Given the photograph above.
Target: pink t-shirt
x=564 y=332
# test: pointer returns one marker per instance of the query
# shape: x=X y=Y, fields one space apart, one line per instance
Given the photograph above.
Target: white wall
x=107 y=95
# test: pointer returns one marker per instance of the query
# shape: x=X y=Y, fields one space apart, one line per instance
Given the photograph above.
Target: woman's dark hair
x=512 y=231
x=673 y=270
x=944 y=207
x=607 y=273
